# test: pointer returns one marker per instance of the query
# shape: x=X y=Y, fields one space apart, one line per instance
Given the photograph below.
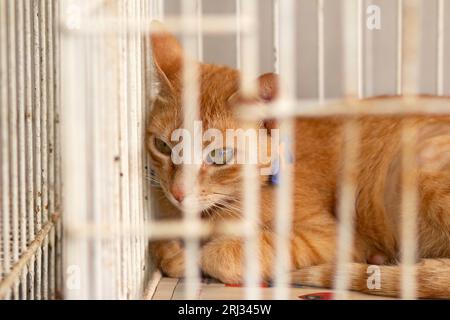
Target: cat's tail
x=433 y=278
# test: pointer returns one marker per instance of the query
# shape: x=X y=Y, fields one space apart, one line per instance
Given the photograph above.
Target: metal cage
x=76 y=87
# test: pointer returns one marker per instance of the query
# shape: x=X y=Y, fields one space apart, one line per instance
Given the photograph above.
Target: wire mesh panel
x=106 y=197
x=30 y=246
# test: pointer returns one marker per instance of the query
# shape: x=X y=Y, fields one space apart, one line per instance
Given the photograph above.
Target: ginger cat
x=317 y=169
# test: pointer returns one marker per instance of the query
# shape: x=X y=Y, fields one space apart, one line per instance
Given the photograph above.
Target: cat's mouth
x=188 y=202
x=208 y=208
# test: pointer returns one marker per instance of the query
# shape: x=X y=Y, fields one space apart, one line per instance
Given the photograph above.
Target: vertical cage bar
x=120 y=193
x=58 y=183
x=399 y=47
x=148 y=94
x=145 y=259
x=132 y=140
x=190 y=100
x=238 y=6
x=96 y=163
x=137 y=138
x=140 y=72
x=147 y=265
x=121 y=241
x=29 y=142
x=159 y=10
x=199 y=19
x=251 y=208
x=20 y=29
x=321 y=51
x=353 y=36
x=6 y=263
x=37 y=143
x=51 y=147
x=12 y=104
x=276 y=34
x=124 y=170
x=109 y=263
x=284 y=193
x=73 y=154
x=137 y=147
x=360 y=45
x=409 y=194
x=140 y=150
x=410 y=54
x=369 y=61
x=440 y=47
x=44 y=140
x=409 y=212
x=151 y=91
x=115 y=132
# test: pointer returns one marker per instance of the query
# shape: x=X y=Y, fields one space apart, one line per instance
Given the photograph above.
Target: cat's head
x=220 y=176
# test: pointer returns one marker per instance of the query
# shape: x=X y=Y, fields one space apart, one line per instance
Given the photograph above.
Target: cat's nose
x=177 y=193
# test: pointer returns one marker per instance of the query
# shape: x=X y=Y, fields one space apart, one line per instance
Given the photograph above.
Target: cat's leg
x=434 y=181
x=169 y=256
x=222 y=257
x=315 y=240
x=434 y=217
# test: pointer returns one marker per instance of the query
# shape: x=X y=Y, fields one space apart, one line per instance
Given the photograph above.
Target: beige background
x=222 y=49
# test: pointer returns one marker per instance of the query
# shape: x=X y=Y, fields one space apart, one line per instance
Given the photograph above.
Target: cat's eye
x=162 y=147
x=220 y=156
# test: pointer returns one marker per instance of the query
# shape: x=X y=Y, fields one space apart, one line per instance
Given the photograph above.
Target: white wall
x=222 y=49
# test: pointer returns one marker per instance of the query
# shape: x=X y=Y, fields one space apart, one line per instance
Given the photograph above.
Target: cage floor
x=173 y=289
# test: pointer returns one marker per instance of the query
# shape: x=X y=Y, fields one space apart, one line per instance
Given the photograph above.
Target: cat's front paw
x=222 y=260
x=173 y=266
x=170 y=257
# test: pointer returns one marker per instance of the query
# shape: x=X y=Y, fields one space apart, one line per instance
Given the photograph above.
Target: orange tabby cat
x=317 y=170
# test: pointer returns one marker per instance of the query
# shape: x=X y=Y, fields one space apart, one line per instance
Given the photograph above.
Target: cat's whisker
x=152 y=179
x=223 y=207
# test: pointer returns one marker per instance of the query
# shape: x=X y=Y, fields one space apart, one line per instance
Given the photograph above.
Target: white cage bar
x=284 y=194
x=440 y=74
x=320 y=51
x=191 y=113
x=251 y=207
x=353 y=35
x=410 y=188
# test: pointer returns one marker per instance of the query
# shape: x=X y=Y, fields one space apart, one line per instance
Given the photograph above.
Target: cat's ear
x=267 y=92
x=167 y=54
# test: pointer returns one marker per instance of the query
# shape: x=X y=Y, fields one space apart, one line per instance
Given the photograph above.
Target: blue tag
x=284 y=158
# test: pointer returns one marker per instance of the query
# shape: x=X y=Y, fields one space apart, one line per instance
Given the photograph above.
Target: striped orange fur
x=317 y=173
